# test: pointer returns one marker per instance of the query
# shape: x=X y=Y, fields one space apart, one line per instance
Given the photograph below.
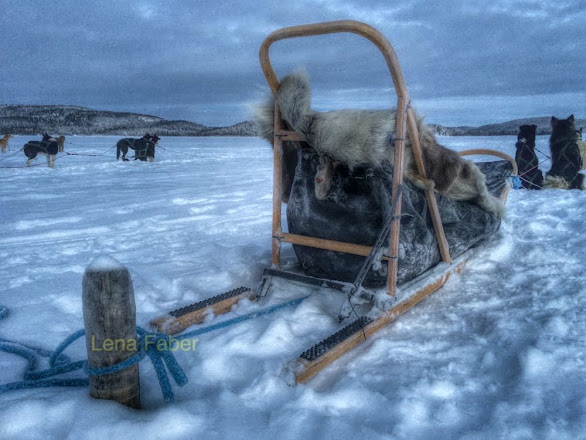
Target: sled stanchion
x=277 y=189
x=436 y=220
x=109 y=315
x=399 y=159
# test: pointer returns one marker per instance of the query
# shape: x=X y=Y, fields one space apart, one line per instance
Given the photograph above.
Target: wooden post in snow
x=109 y=314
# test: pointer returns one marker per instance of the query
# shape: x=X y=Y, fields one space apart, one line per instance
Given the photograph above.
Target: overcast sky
x=465 y=62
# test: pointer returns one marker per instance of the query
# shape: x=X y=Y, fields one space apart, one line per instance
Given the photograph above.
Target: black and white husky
x=356 y=137
x=49 y=147
x=566 y=161
x=144 y=148
x=527 y=162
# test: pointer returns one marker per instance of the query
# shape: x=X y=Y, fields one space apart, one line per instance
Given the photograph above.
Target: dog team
x=50 y=146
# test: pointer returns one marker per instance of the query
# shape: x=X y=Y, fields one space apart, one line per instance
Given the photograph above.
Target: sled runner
x=435 y=250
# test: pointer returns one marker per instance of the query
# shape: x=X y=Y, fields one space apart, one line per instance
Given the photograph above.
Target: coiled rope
x=163 y=360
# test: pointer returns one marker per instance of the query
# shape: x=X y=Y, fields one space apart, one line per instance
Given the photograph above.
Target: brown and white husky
x=4 y=142
x=61 y=143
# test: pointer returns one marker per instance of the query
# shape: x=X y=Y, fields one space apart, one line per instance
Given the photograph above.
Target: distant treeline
x=71 y=120
x=504 y=128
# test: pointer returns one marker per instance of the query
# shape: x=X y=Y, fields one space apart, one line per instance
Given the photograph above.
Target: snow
x=497 y=353
x=104 y=263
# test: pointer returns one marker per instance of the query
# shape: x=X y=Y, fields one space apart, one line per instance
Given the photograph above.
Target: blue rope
x=516 y=182
x=36 y=379
x=149 y=344
x=243 y=318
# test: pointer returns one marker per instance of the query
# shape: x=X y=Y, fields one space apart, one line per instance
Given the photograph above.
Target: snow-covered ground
x=499 y=352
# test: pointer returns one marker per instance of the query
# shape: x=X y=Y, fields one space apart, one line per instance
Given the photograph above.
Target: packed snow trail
x=499 y=352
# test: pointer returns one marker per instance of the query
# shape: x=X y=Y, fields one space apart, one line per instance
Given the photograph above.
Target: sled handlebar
x=331 y=27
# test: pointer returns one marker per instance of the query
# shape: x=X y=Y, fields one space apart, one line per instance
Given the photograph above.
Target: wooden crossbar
x=330 y=245
x=291 y=136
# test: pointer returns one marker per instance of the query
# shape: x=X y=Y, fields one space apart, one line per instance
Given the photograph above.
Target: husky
x=144 y=147
x=566 y=161
x=531 y=176
x=148 y=150
x=61 y=143
x=4 y=142
x=356 y=137
x=49 y=147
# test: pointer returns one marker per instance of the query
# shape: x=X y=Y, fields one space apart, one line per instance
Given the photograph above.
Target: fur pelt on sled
x=356 y=137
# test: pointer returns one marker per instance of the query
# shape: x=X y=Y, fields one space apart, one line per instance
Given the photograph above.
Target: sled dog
x=531 y=176
x=566 y=161
x=4 y=142
x=144 y=148
x=48 y=147
x=61 y=143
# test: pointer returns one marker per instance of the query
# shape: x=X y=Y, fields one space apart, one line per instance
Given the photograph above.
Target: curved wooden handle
x=351 y=26
x=490 y=152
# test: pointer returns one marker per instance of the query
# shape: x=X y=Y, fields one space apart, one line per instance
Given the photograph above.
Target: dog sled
x=408 y=241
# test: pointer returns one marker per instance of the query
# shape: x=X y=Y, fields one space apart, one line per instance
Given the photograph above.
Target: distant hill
x=246 y=128
x=503 y=128
x=69 y=120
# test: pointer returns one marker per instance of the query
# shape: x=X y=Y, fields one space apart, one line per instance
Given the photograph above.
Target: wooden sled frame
x=413 y=292
x=405 y=124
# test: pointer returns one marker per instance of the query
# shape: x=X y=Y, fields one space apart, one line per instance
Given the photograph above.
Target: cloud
x=169 y=56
